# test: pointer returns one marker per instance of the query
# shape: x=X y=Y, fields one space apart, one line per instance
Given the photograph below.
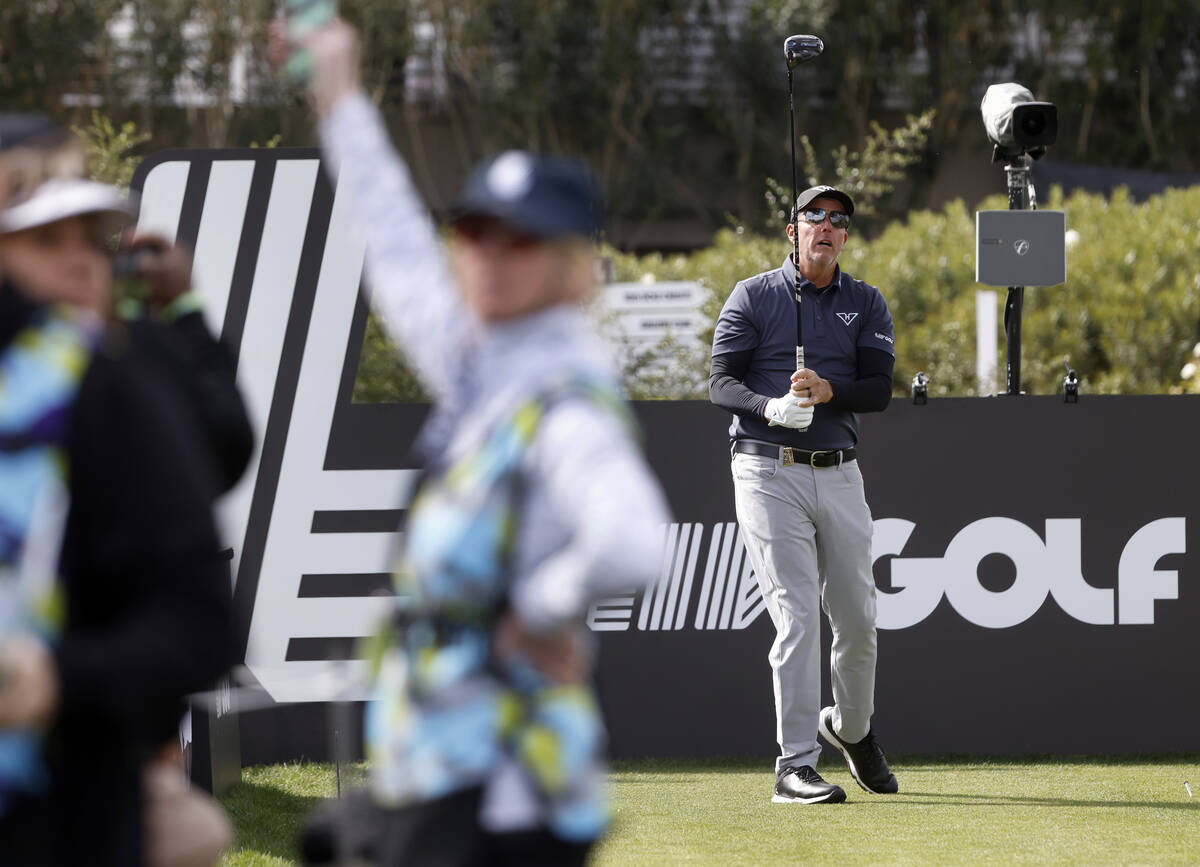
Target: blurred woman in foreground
x=113 y=602
x=485 y=739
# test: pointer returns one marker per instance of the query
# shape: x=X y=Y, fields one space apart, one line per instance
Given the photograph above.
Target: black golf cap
x=17 y=129
x=810 y=195
x=546 y=197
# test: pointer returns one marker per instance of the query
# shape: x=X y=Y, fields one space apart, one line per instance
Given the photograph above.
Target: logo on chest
x=847 y=317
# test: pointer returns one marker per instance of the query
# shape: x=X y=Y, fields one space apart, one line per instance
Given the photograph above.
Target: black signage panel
x=1040 y=586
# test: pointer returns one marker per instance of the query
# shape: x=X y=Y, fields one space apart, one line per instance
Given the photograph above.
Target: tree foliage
x=111 y=157
x=41 y=60
x=1189 y=374
x=868 y=176
x=680 y=105
x=383 y=375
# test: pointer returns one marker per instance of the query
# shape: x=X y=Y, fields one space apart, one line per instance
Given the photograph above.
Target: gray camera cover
x=997 y=109
x=1020 y=248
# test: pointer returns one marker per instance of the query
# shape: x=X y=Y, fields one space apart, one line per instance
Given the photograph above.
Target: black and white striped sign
x=278 y=267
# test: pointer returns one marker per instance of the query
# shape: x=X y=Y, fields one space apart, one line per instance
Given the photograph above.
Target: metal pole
x=1018 y=200
x=985 y=341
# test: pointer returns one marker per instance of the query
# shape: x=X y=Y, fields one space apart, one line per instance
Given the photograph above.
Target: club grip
x=799 y=358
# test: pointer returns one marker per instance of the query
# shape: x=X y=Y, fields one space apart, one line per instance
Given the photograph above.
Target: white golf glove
x=786 y=412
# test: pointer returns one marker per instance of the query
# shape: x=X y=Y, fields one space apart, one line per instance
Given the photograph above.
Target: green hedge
x=1127 y=317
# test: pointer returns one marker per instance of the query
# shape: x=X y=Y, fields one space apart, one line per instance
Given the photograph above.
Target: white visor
x=60 y=198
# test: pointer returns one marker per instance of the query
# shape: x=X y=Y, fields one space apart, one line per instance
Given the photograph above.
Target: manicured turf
x=269 y=807
x=1021 y=811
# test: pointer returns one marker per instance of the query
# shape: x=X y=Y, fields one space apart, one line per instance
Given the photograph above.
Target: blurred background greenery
x=680 y=106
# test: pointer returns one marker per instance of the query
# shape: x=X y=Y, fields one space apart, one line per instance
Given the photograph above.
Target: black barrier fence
x=1036 y=568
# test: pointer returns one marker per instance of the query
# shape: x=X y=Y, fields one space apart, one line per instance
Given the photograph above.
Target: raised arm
x=412 y=288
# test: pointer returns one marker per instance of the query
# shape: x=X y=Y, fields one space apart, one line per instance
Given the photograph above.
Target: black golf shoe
x=803 y=785
x=868 y=764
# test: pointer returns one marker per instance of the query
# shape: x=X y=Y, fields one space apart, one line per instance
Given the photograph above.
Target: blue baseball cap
x=26 y=130
x=546 y=197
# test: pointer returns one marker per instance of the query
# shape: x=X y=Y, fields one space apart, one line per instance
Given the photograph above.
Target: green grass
x=950 y=811
x=268 y=809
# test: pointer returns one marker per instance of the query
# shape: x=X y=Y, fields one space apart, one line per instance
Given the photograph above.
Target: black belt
x=821 y=459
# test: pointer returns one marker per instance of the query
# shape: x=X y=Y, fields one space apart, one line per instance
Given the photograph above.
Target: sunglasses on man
x=497 y=233
x=837 y=219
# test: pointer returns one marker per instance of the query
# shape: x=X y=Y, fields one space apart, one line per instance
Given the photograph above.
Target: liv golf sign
x=1035 y=560
x=727 y=594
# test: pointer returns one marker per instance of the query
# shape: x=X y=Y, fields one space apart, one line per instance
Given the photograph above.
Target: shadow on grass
x=720 y=765
x=934 y=764
x=266 y=819
x=964 y=800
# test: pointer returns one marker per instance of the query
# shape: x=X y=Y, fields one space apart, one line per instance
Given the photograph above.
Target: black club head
x=801 y=49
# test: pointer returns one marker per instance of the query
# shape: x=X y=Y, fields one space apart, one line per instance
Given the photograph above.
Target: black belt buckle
x=825 y=459
x=819 y=460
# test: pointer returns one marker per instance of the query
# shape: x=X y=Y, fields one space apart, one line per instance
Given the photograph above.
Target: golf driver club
x=798 y=49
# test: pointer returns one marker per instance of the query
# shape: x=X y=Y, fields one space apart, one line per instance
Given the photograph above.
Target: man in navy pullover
x=799 y=493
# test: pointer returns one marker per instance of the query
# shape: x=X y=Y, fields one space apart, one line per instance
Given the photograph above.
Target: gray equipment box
x=1020 y=248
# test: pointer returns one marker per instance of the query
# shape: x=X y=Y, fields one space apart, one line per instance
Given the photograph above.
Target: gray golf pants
x=808 y=534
